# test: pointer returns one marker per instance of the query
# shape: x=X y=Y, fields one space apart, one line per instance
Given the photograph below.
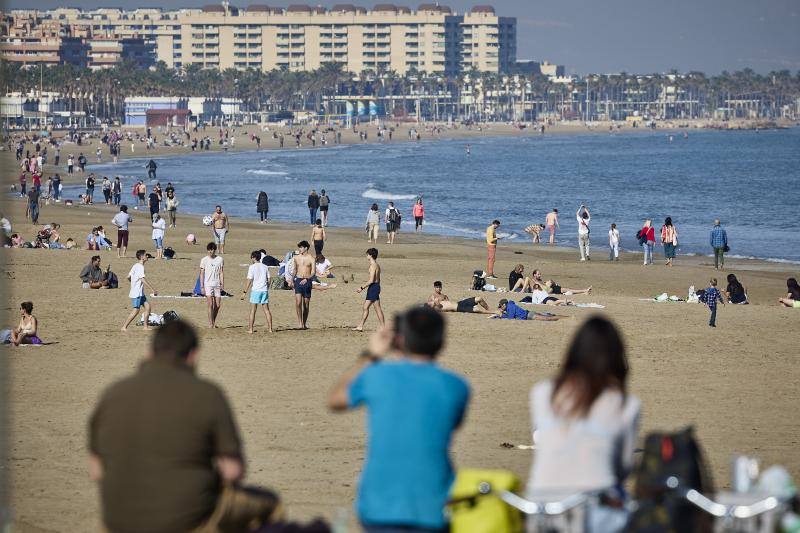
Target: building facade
x=431 y=39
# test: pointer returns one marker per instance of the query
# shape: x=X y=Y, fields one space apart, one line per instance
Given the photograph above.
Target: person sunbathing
x=508 y=309
x=540 y=296
x=26 y=332
x=441 y=302
x=554 y=288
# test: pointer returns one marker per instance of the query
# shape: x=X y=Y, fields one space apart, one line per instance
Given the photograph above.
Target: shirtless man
x=441 y=302
x=551 y=221
x=373 y=287
x=220 y=227
x=302 y=283
x=554 y=288
x=318 y=237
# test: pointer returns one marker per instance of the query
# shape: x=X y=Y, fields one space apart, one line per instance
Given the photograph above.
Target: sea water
x=748 y=179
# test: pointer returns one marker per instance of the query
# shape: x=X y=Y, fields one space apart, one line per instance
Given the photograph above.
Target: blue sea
x=748 y=179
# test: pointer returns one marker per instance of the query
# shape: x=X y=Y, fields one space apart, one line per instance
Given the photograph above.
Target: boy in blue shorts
x=258 y=281
x=373 y=287
x=138 y=282
x=302 y=283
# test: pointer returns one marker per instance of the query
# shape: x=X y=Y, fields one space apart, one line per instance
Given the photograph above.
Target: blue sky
x=611 y=35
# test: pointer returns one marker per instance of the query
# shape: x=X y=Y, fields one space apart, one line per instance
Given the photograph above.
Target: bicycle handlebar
x=721 y=510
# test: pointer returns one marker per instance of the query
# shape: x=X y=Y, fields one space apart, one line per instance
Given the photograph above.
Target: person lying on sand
x=510 y=310
x=441 y=302
x=554 y=288
x=540 y=296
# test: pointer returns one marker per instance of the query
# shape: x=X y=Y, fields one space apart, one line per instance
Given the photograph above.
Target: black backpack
x=394 y=216
x=169 y=253
x=661 y=509
x=169 y=316
x=641 y=237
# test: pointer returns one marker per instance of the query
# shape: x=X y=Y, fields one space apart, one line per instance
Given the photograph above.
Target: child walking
x=710 y=298
x=613 y=243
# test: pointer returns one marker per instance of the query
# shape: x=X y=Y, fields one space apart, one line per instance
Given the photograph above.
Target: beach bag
x=277 y=283
x=641 y=237
x=113 y=281
x=478 y=280
x=661 y=509
x=170 y=316
x=169 y=253
x=473 y=512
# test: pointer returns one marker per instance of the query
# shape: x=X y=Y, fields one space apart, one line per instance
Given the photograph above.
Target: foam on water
x=374 y=194
x=261 y=172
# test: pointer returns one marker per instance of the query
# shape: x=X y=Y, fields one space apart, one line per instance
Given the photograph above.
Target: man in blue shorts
x=302 y=283
x=138 y=299
x=373 y=287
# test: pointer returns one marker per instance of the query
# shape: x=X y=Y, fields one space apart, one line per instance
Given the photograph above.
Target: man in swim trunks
x=220 y=227
x=373 y=287
x=441 y=302
x=510 y=310
x=302 y=283
x=551 y=221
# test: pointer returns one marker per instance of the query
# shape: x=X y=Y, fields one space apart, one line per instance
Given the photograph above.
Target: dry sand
x=737 y=384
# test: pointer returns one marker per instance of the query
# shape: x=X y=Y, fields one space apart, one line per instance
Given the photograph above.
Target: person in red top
x=648 y=235
x=419 y=214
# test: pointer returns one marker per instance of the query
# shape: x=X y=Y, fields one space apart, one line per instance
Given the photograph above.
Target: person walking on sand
x=719 y=242
x=313 y=205
x=318 y=237
x=302 y=283
x=392 y=220
x=373 y=287
x=257 y=282
x=419 y=215
x=212 y=282
x=262 y=206
x=613 y=243
x=172 y=203
x=491 y=247
x=551 y=221
x=373 y=219
x=220 y=227
x=136 y=294
x=324 y=204
x=583 y=217
x=648 y=237
x=669 y=239
x=122 y=220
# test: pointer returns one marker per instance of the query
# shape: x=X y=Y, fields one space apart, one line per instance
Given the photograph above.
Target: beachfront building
x=387 y=37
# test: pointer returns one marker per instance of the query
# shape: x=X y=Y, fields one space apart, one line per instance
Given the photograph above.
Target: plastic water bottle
x=341 y=521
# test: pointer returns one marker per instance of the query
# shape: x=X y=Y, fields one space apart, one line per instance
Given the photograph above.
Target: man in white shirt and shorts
x=258 y=283
x=212 y=282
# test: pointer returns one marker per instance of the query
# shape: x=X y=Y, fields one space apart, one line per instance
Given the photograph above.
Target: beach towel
x=586 y=305
x=663 y=297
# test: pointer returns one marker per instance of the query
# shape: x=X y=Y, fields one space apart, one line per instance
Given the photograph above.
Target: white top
x=583 y=454
x=137 y=280
x=613 y=236
x=583 y=224
x=212 y=269
x=158 y=228
x=121 y=220
x=322 y=267
x=259 y=273
x=538 y=296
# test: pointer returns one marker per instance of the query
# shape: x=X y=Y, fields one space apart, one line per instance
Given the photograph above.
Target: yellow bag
x=473 y=512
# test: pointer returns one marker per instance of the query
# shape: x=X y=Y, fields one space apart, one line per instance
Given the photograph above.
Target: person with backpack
x=586 y=424
x=392 y=220
x=669 y=239
x=647 y=238
x=324 y=204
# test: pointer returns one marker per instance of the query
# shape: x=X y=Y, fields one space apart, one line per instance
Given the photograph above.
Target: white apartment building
x=430 y=39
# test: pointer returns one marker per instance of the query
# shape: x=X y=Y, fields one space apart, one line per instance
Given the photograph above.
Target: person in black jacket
x=262 y=206
x=313 y=205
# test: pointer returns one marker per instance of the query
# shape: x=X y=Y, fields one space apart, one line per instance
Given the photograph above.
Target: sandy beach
x=737 y=384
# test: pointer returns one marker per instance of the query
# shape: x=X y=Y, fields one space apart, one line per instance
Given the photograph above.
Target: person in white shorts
x=212 y=282
x=258 y=283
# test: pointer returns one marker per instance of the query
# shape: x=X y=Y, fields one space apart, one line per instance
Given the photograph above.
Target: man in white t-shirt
x=583 y=217
x=258 y=281
x=212 y=282
x=138 y=282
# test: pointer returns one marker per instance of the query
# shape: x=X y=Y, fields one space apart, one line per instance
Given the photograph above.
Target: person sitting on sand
x=323 y=267
x=554 y=288
x=735 y=292
x=92 y=275
x=792 y=298
x=26 y=331
x=441 y=302
x=509 y=309
x=16 y=240
x=516 y=278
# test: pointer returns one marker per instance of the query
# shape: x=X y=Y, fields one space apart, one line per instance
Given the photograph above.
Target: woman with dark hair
x=792 y=298
x=669 y=239
x=262 y=206
x=26 y=331
x=585 y=423
x=735 y=291
x=373 y=219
